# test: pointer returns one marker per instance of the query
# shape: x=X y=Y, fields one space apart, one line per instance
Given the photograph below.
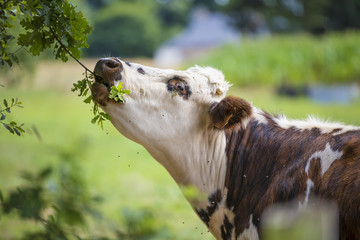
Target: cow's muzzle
x=108 y=70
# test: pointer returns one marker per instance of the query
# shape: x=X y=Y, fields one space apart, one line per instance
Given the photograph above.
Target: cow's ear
x=229 y=111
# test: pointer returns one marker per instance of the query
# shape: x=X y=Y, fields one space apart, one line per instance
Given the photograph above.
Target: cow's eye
x=180 y=86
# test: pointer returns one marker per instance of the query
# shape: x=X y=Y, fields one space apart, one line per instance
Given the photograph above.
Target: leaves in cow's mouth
x=83 y=87
x=117 y=93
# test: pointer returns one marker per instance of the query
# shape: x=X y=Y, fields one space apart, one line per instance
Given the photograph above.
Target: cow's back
x=268 y=164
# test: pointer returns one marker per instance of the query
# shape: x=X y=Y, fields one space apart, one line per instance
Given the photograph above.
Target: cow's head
x=166 y=108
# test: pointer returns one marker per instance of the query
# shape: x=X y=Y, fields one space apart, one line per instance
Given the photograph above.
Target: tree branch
x=67 y=50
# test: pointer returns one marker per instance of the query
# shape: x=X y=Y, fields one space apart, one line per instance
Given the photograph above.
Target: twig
x=86 y=77
x=67 y=50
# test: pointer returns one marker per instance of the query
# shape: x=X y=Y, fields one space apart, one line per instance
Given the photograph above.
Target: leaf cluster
x=52 y=24
x=5 y=110
x=58 y=200
x=60 y=209
x=117 y=93
x=83 y=87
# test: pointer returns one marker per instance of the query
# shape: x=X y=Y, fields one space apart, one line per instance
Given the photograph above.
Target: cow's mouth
x=99 y=79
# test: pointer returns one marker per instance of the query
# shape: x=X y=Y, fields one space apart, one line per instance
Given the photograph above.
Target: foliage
x=117 y=93
x=154 y=22
x=11 y=126
x=83 y=87
x=59 y=201
x=54 y=24
x=44 y=23
x=292 y=59
x=61 y=211
x=299 y=15
x=141 y=225
x=114 y=30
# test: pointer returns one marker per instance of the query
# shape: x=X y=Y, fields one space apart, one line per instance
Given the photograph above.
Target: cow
x=242 y=159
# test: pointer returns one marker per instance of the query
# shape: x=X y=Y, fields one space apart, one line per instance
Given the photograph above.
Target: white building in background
x=206 y=30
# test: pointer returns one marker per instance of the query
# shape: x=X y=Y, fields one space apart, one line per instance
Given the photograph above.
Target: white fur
x=258 y=115
x=309 y=186
x=249 y=233
x=174 y=130
x=312 y=122
x=326 y=156
x=217 y=218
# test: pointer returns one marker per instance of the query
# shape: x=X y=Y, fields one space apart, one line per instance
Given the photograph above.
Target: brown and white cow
x=241 y=158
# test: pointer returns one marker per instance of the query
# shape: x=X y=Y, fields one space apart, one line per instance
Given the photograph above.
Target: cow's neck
x=199 y=161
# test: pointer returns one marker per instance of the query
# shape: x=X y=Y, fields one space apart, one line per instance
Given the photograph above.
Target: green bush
x=292 y=59
x=125 y=29
x=56 y=203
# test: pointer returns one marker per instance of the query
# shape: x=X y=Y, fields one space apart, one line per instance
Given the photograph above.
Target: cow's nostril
x=111 y=63
x=108 y=68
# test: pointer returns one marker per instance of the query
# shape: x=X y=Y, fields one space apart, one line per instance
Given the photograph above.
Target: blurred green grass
x=300 y=107
x=116 y=169
x=120 y=171
x=293 y=59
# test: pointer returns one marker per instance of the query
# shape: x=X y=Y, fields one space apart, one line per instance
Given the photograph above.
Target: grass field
x=293 y=59
x=119 y=170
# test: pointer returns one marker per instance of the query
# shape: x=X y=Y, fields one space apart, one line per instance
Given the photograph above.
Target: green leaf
x=85 y=92
x=22 y=8
x=118 y=93
x=20 y=129
x=93 y=121
x=88 y=99
x=17 y=131
x=8 y=128
x=45 y=173
x=101 y=123
x=11 y=13
x=105 y=115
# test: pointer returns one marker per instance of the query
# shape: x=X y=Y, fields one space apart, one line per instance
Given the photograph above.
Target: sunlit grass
x=293 y=59
x=299 y=108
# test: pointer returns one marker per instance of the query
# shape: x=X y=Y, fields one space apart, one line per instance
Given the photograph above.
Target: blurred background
x=295 y=57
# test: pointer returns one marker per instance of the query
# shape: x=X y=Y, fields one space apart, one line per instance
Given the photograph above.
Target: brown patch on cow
x=273 y=160
x=351 y=150
x=229 y=111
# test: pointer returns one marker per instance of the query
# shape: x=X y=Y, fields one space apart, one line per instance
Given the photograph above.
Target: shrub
x=125 y=29
x=293 y=59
